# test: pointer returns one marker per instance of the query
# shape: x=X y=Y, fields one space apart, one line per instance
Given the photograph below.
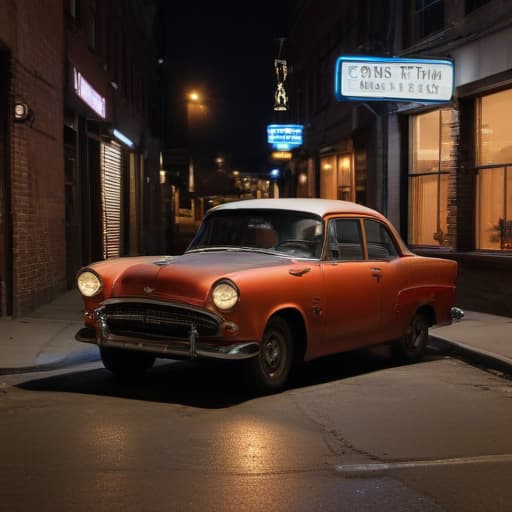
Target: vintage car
x=272 y=283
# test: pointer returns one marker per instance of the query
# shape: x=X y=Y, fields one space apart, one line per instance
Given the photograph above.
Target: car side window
x=345 y=241
x=380 y=243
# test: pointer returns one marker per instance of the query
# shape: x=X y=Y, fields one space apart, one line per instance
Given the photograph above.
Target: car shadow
x=209 y=385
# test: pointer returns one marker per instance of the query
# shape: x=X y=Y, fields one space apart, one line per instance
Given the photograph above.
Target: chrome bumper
x=191 y=348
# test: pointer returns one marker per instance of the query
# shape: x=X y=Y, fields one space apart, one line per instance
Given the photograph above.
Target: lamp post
x=196 y=111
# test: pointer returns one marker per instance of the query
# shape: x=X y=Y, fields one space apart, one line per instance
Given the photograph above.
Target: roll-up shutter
x=111 y=198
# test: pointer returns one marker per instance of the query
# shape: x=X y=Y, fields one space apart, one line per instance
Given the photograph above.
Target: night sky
x=227 y=51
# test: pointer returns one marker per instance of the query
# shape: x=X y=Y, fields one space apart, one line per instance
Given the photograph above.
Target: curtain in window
x=494 y=179
x=431 y=158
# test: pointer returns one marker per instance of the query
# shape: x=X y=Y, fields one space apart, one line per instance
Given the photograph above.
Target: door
x=111 y=198
x=352 y=288
x=384 y=257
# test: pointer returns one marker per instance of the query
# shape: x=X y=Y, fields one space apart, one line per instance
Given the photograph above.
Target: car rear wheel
x=410 y=348
x=126 y=363
x=269 y=371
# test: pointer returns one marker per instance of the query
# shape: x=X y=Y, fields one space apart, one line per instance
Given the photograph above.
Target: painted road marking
x=386 y=466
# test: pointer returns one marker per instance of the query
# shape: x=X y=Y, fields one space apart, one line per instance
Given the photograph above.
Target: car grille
x=153 y=320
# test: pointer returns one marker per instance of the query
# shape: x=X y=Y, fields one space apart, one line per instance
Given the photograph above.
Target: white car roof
x=319 y=207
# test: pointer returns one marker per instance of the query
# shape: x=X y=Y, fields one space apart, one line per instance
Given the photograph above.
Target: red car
x=270 y=282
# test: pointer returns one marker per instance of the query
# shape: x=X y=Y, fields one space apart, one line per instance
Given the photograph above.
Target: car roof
x=315 y=206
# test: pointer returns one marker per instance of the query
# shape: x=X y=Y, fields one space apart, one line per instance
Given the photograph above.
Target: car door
x=384 y=256
x=352 y=287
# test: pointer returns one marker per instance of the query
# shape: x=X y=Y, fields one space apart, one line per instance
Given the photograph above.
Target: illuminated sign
x=88 y=94
x=284 y=137
x=281 y=155
x=123 y=138
x=281 y=98
x=380 y=78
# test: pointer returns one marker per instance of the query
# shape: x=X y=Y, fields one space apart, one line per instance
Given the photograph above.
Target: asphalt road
x=354 y=433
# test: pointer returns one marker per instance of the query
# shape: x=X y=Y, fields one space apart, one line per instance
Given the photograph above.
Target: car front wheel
x=126 y=363
x=269 y=371
x=410 y=348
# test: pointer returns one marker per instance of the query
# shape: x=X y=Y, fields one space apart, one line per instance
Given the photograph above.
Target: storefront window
x=494 y=179
x=345 y=177
x=431 y=158
x=328 y=177
x=337 y=177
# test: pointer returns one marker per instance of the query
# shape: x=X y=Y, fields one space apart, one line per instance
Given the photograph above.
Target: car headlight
x=89 y=283
x=225 y=295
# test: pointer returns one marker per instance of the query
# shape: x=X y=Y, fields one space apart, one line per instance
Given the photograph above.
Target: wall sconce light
x=22 y=112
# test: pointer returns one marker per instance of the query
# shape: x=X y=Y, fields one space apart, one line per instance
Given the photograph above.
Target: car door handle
x=376 y=273
x=299 y=272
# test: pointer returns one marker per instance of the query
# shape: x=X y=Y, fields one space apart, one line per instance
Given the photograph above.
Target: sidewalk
x=482 y=338
x=45 y=339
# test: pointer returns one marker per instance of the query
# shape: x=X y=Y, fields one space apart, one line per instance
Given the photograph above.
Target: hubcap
x=415 y=335
x=272 y=354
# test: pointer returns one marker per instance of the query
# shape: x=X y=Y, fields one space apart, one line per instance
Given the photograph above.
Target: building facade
x=32 y=212
x=440 y=172
x=79 y=167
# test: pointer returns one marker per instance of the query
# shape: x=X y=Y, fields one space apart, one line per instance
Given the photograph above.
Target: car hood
x=187 y=278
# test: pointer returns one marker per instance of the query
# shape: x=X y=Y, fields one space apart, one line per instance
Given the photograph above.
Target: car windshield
x=285 y=232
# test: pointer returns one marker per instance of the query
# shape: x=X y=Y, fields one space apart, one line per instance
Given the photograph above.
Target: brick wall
x=35 y=39
x=466 y=177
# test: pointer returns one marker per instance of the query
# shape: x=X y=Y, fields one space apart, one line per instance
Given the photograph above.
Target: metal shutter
x=111 y=198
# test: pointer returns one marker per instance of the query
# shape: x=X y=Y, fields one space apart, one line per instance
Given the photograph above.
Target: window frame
x=421 y=15
x=439 y=173
x=396 y=250
x=363 y=234
x=504 y=225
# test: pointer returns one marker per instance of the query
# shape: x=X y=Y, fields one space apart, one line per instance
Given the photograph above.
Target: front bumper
x=188 y=345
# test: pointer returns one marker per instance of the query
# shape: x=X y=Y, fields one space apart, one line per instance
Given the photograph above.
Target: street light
x=196 y=113
x=194 y=96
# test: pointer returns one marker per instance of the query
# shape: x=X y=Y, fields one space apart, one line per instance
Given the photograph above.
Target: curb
x=473 y=355
x=55 y=362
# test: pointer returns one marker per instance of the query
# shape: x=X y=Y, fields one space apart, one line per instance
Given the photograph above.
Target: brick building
x=441 y=172
x=79 y=170
x=32 y=216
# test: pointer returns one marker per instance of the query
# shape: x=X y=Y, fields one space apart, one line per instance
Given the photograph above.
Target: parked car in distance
x=272 y=283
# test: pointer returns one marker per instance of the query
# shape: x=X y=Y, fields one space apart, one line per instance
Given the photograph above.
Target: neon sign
x=281 y=155
x=88 y=94
x=123 y=138
x=284 y=137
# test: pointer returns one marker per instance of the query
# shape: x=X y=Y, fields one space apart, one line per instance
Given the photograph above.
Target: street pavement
x=45 y=339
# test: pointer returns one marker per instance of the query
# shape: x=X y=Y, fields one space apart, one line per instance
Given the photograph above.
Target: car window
x=380 y=243
x=284 y=232
x=345 y=240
